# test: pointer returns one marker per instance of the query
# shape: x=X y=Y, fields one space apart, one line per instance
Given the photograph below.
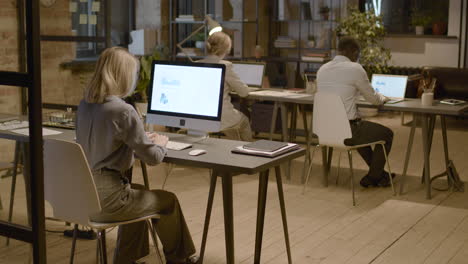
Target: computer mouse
x=197 y=152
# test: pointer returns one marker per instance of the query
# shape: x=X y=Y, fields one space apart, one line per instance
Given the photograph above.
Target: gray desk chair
x=331 y=125
x=69 y=187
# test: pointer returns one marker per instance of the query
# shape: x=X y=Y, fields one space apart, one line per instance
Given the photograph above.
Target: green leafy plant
x=199 y=36
x=161 y=52
x=368 y=30
x=420 y=18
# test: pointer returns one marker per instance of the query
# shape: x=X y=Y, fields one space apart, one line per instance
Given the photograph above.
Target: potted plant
x=139 y=97
x=367 y=28
x=419 y=19
x=199 y=40
x=440 y=18
x=324 y=11
x=311 y=41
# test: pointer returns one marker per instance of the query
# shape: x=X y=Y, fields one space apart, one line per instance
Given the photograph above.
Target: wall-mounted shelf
x=420 y=36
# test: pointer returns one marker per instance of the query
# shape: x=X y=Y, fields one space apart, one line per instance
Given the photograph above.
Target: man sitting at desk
x=347 y=78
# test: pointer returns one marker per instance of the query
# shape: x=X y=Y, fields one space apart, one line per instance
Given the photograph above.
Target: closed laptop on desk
x=392 y=86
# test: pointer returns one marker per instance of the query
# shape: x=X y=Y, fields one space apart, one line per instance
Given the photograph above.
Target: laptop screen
x=393 y=86
x=250 y=73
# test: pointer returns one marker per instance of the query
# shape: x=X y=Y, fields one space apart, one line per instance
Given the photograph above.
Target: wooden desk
x=427 y=115
x=227 y=165
x=282 y=102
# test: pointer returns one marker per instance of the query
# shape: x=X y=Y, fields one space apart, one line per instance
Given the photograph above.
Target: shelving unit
x=298 y=20
x=247 y=23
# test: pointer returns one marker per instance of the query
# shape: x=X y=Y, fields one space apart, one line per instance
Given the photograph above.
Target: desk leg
x=228 y=217
x=144 y=171
x=262 y=195
x=408 y=152
x=274 y=116
x=209 y=206
x=18 y=153
x=425 y=139
x=431 y=125
x=284 y=124
x=279 y=184
x=325 y=165
x=307 y=159
x=27 y=178
x=443 y=127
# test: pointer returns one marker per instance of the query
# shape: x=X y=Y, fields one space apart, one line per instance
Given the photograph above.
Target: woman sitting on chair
x=111 y=132
x=233 y=123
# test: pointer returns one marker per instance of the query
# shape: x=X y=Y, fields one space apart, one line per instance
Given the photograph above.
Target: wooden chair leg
x=308 y=171
x=155 y=239
x=102 y=238
x=350 y=156
x=98 y=249
x=389 y=170
x=75 y=235
x=338 y=173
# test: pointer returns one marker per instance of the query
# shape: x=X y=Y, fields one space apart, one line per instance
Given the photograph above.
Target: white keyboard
x=14 y=124
x=174 y=145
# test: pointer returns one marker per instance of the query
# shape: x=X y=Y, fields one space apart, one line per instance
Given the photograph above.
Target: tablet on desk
x=452 y=101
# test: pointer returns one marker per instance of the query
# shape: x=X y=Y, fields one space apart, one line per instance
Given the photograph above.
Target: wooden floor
x=324 y=227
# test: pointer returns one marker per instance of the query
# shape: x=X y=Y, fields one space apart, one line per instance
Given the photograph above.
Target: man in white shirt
x=347 y=78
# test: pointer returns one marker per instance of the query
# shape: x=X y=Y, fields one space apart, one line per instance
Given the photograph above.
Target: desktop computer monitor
x=250 y=73
x=186 y=95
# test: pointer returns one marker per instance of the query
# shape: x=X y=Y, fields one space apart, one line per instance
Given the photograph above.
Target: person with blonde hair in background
x=111 y=133
x=233 y=123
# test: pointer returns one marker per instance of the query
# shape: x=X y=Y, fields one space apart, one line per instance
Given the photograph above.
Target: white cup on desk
x=427 y=99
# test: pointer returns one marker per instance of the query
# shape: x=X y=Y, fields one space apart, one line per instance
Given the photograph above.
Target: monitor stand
x=192 y=136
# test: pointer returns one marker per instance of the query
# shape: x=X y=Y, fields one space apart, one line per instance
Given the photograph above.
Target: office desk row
x=223 y=164
x=427 y=114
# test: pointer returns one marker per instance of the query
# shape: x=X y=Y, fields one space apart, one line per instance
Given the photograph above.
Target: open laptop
x=392 y=86
x=250 y=73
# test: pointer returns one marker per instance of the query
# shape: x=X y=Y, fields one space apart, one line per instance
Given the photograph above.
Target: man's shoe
x=385 y=180
x=193 y=259
x=366 y=181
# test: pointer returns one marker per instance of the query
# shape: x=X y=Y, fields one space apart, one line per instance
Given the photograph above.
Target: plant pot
x=419 y=30
x=200 y=44
x=324 y=16
x=439 y=28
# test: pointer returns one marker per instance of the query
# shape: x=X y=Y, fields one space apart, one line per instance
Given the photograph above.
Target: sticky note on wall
x=92 y=19
x=83 y=19
x=73 y=7
x=96 y=7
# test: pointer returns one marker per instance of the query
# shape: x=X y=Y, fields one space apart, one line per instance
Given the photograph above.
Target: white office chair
x=69 y=188
x=331 y=125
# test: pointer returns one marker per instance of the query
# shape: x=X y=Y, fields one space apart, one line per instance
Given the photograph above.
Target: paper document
x=45 y=131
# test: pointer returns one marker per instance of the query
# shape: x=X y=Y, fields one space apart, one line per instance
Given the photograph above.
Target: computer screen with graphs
x=186 y=95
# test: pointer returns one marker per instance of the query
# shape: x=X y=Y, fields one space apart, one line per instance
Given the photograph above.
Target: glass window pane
x=66 y=69
x=73 y=18
x=401 y=16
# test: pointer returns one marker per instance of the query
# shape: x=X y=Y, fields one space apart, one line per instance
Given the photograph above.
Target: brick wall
x=9 y=96
x=58 y=85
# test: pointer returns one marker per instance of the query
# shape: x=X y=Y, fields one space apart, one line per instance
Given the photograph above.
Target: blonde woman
x=111 y=132
x=233 y=123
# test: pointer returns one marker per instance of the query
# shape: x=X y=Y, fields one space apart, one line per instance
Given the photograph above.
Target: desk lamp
x=213 y=27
